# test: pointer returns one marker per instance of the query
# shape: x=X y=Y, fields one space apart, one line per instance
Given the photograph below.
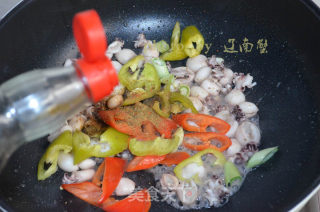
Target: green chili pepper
x=231 y=173
x=164 y=99
x=175 y=37
x=174 y=54
x=176 y=107
x=162 y=69
x=184 y=90
x=142 y=84
x=159 y=146
x=162 y=46
x=111 y=143
x=185 y=101
x=50 y=157
x=176 y=51
x=192 y=41
x=261 y=157
x=196 y=160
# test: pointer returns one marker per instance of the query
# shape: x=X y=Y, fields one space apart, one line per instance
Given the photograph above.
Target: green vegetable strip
x=61 y=144
x=162 y=69
x=162 y=46
x=184 y=90
x=231 y=173
x=185 y=101
x=261 y=157
x=159 y=146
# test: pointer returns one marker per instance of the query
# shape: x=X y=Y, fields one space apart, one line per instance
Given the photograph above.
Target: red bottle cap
x=94 y=68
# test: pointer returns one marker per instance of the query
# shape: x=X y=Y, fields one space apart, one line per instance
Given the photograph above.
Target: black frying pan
x=38 y=34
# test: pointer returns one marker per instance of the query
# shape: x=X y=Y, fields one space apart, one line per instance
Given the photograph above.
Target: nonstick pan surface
x=38 y=34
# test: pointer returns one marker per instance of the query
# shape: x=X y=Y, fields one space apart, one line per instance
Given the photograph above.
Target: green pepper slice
x=184 y=100
x=142 y=84
x=231 y=173
x=184 y=90
x=174 y=54
x=159 y=146
x=176 y=51
x=196 y=160
x=192 y=41
x=162 y=46
x=111 y=143
x=162 y=69
x=164 y=95
x=50 y=157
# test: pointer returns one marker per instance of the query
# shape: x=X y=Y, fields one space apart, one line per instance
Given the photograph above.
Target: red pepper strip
x=144 y=162
x=174 y=158
x=205 y=138
x=202 y=121
x=114 y=169
x=138 y=121
x=98 y=175
x=137 y=202
x=86 y=191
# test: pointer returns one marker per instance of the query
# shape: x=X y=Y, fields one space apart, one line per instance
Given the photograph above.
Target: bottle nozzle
x=94 y=67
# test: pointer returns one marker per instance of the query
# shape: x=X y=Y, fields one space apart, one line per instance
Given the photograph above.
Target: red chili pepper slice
x=98 y=175
x=174 y=158
x=206 y=138
x=114 y=169
x=86 y=191
x=137 y=202
x=144 y=162
x=200 y=122
x=138 y=121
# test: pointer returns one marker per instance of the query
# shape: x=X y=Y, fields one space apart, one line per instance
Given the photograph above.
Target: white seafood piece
x=214 y=61
x=230 y=119
x=183 y=75
x=168 y=181
x=68 y=62
x=199 y=92
x=150 y=51
x=83 y=175
x=118 y=90
x=77 y=122
x=187 y=192
x=141 y=41
x=235 y=97
x=249 y=109
x=233 y=127
x=227 y=77
x=90 y=112
x=211 y=87
x=192 y=169
x=65 y=162
x=196 y=103
x=217 y=74
x=242 y=81
x=234 y=148
x=87 y=164
x=197 y=62
x=116 y=65
x=202 y=74
x=220 y=61
x=114 y=48
x=125 y=55
x=115 y=101
x=125 y=187
x=248 y=132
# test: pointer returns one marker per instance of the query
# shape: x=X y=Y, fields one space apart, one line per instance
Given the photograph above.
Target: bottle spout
x=94 y=67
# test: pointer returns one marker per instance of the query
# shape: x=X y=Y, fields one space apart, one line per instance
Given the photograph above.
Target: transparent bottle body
x=37 y=103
